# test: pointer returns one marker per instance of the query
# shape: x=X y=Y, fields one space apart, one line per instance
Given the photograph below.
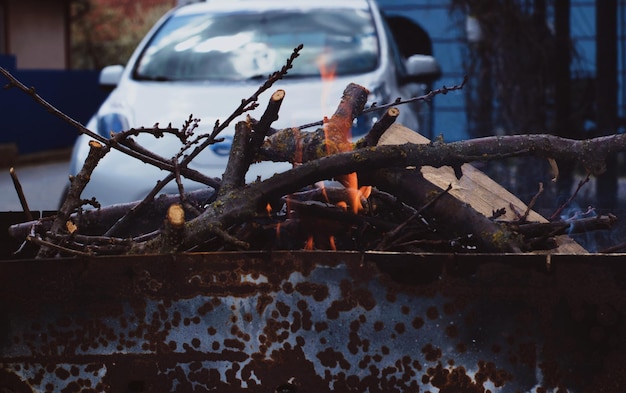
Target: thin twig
x=97 y=151
x=20 y=194
x=49 y=245
x=515 y=211
x=400 y=101
x=532 y=203
x=615 y=248
x=558 y=211
x=385 y=242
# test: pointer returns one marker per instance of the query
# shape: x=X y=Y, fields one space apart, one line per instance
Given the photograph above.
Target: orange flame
x=343 y=205
x=309 y=243
x=338 y=133
x=366 y=191
x=327 y=73
x=327 y=70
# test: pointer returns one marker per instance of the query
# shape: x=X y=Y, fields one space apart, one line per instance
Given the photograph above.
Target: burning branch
x=233 y=213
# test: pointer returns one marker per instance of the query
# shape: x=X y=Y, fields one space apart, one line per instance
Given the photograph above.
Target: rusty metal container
x=314 y=322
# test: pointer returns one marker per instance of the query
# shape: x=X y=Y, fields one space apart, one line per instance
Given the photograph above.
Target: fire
x=337 y=133
x=365 y=191
x=331 y=240
x=309 y=243
x=327 y=73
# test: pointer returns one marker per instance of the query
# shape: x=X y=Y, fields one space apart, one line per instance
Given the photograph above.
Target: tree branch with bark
x=233 y=214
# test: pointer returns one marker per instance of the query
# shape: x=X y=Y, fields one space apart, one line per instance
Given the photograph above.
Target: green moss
x=502 y=239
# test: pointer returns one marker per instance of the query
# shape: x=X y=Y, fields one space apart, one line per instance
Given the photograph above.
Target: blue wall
x=27 y=124
x=448 y=39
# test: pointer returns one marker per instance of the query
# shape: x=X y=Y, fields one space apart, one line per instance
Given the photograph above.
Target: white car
x=202 y=59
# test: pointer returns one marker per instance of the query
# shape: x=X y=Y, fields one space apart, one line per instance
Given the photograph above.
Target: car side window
x=394 y=51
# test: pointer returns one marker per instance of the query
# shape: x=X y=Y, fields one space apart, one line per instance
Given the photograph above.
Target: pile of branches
x=377 y=199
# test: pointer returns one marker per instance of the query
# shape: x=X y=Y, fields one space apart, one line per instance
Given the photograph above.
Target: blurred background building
x=89 y=34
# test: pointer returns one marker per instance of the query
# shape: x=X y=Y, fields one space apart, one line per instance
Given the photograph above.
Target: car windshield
x=245 y=45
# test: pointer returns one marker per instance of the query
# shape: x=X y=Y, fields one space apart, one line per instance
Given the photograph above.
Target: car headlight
x=222 y=149
x=112 y=122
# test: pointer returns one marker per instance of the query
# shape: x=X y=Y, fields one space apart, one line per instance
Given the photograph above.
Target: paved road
x=43 y=184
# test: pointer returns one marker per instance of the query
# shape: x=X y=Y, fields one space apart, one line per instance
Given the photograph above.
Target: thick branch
x=591 y=153
x=552 y=228
x=241 y=205
x=454 y=217
x=262 y=128
x=238 y=163
x=97 y=221
x=96 y=152
x=173 y=229
x=296 y=146
x=379 y=128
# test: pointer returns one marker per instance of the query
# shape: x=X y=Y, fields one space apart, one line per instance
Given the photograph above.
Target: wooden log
x=475 y=188
x=173 y=229
x=294 y=145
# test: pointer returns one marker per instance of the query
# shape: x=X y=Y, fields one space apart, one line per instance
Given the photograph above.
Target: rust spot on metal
x=321 y=326
x=456 y=379
x=431 y=352
x=417 y=322
x=449 y=308
x=262 y=302
x=233 y=343
x=234 y=322
x=452 y=331
x=331 y=359
x=282 y=308
x=432 y=313
x=317 y=291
